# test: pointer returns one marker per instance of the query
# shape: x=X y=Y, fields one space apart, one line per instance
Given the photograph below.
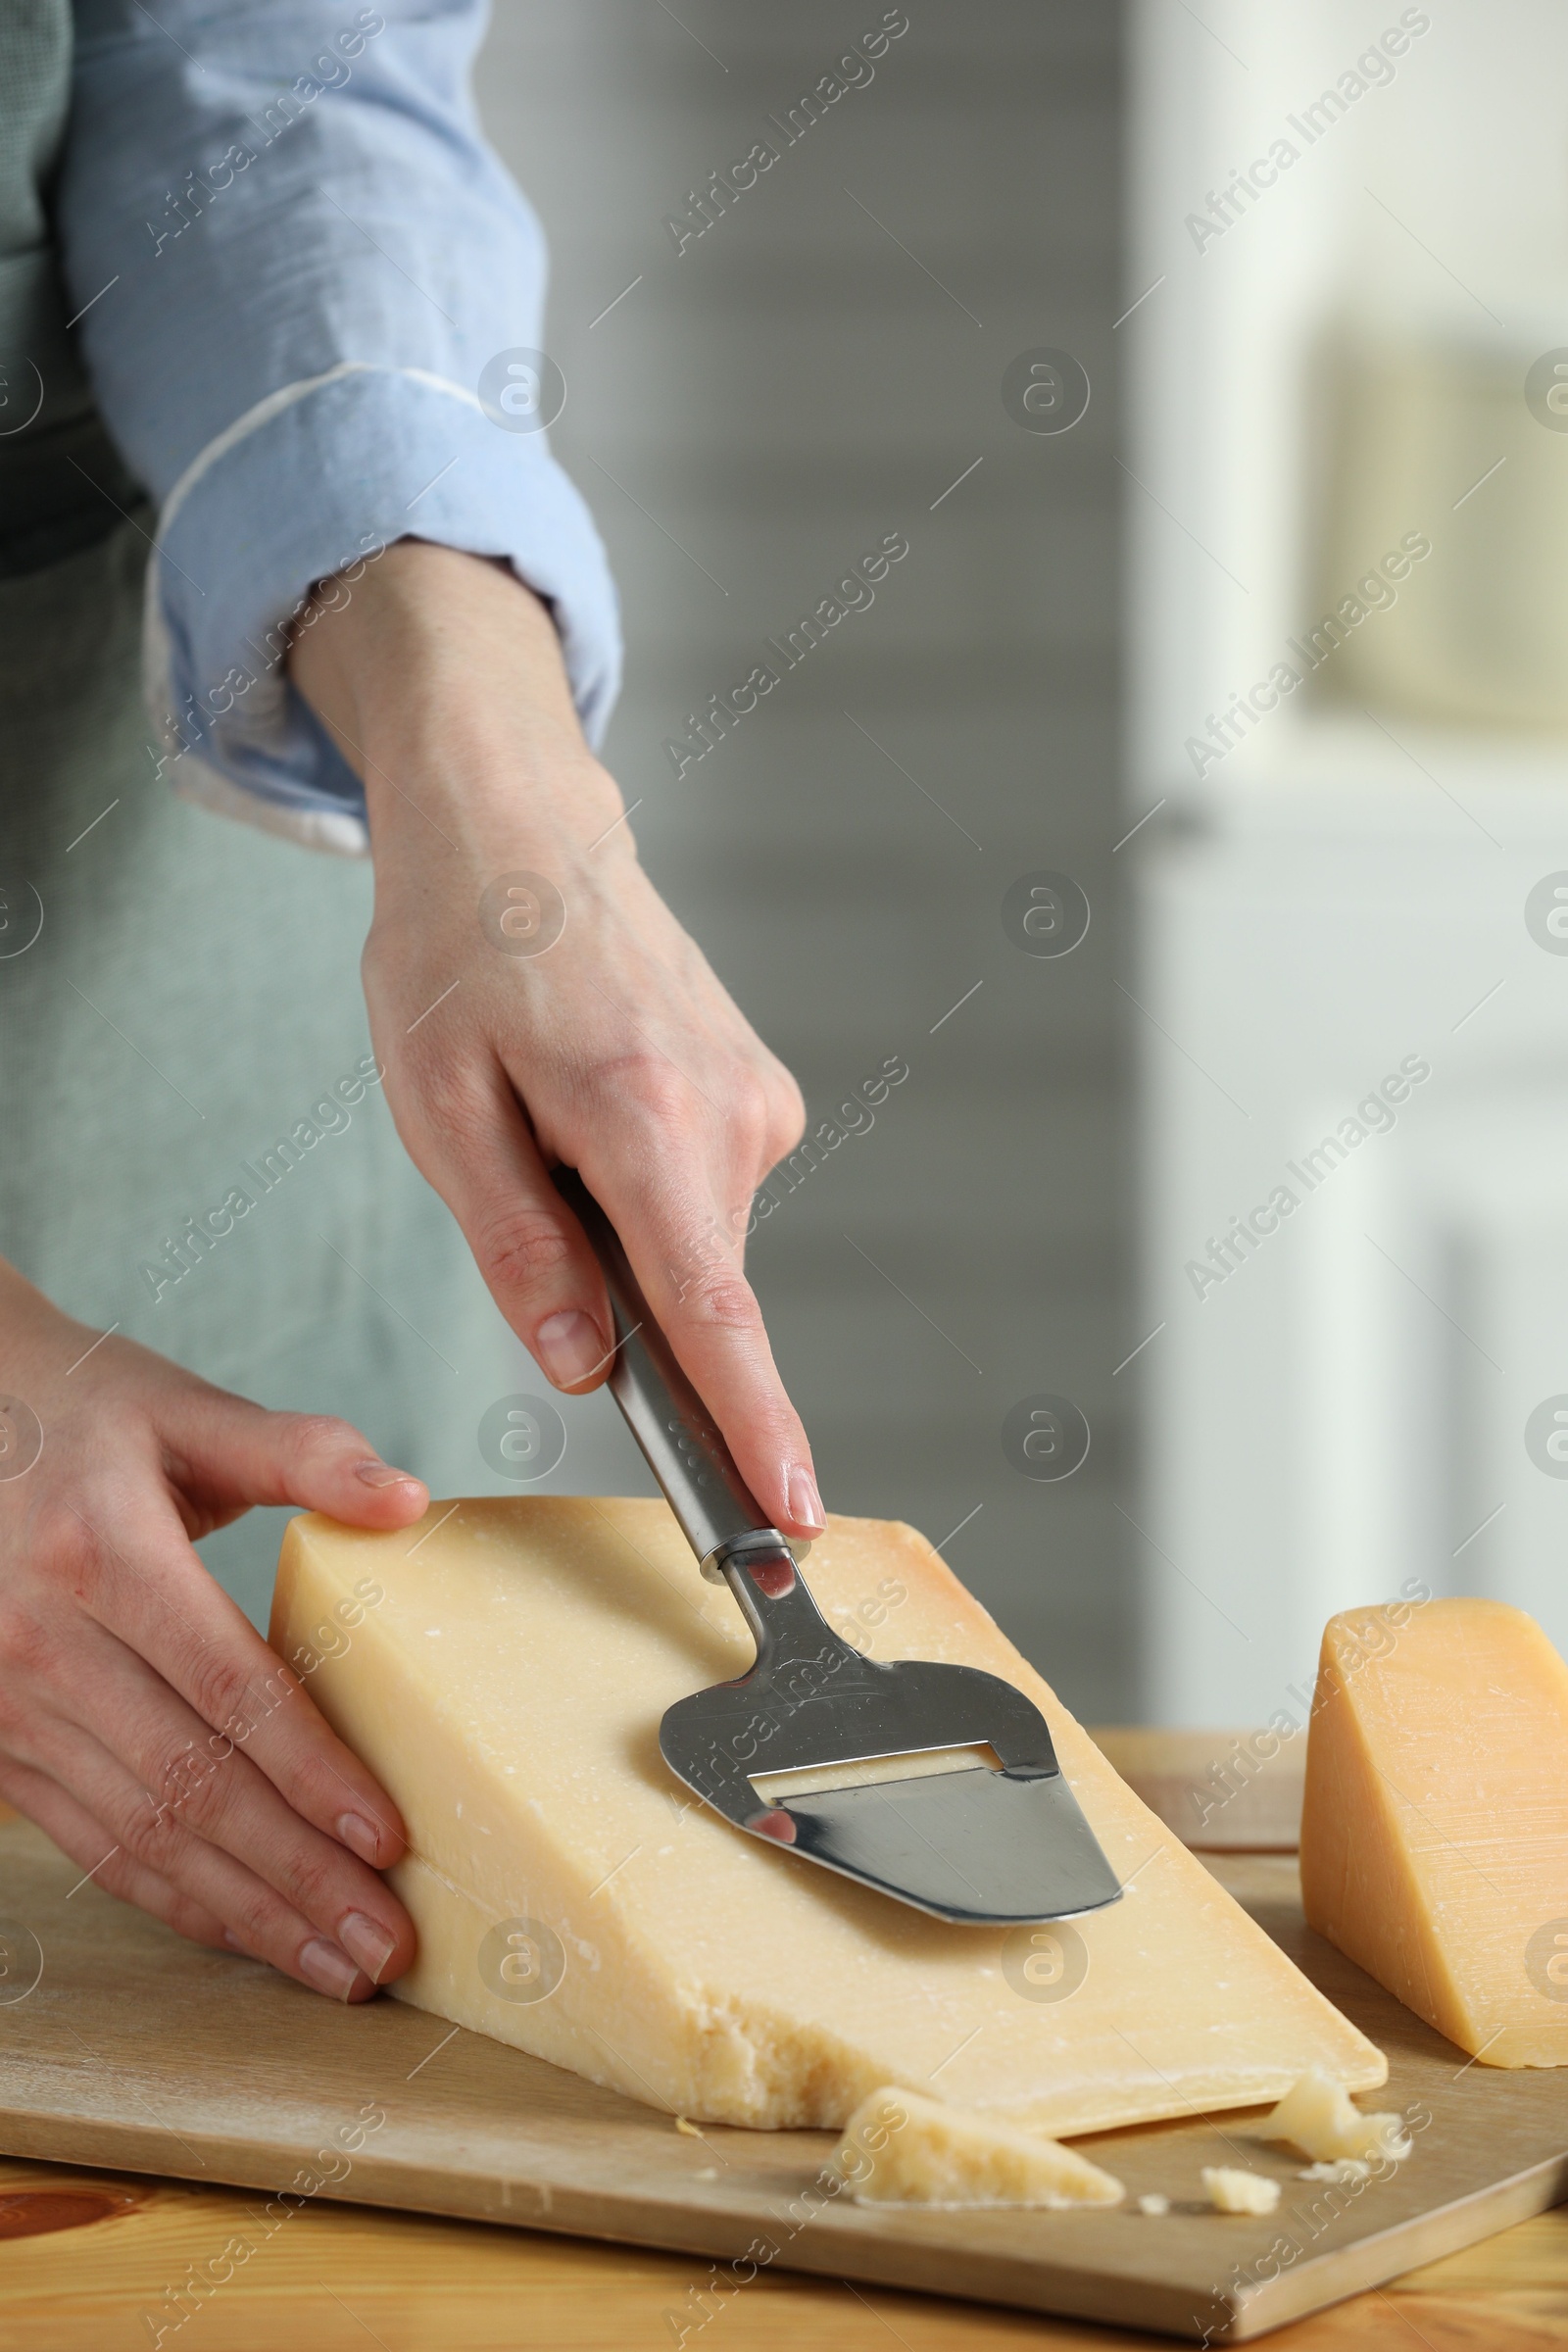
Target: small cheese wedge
x=900 y=2148
x=1435 y=1827
x=1231 y=2190
x=1319 y=2117
x=503 y=1667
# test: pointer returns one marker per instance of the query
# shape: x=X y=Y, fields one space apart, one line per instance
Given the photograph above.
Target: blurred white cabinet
x=1345 y=887
x=1346 y=1408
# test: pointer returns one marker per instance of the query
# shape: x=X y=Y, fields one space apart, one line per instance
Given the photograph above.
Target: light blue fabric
x=300 y=255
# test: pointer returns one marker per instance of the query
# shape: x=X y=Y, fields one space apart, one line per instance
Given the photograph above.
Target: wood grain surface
x=92 y=2258
x=346 y=2278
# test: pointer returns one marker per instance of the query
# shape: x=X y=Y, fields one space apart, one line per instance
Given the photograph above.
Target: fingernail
x=380 y=1473
x=370 y=1945
x=331 y=1970
x=570 y=1346
x=359 y=1835
x=804 y=1500
x=234 y=1944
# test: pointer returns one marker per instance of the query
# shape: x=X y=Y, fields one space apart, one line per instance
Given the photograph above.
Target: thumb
x=244 y=1454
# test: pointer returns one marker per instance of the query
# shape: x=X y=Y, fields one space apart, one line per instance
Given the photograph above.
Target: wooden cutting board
x=137 y=2051
x=1214 y=1789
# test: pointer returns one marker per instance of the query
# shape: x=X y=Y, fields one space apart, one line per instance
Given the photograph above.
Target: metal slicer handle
x=719 y=1514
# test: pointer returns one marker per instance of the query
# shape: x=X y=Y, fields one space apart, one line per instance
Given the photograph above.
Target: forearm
x=340 y=167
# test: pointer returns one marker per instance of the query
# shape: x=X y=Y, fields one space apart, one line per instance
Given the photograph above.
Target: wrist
x=24 y=1309
x=39 y=1343
x=440 y=677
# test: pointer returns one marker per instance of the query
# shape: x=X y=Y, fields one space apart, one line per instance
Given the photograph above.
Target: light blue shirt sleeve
x=314 y=311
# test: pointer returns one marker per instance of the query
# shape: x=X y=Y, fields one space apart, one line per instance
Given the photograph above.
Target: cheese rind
x=1435 y=1828
x=900 y=2148
x=573 y=1898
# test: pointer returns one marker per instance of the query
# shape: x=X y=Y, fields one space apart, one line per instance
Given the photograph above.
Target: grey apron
x=181 y=1025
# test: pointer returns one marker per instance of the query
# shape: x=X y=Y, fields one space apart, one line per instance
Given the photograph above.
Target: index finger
x=660 y=1202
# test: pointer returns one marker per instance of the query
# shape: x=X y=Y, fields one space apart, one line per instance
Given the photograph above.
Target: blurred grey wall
x=816 y=370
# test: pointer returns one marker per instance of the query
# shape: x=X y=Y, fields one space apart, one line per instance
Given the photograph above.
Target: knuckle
x=721 y=1298
x=451 y=1099
x=308 y=1782
x=118 y=1876
x=264 y=1922
x=746 y=1099
x=305 y=1436
x=520 y=1248
x=188 y=1917
x=648 y=1084
x=786 y=1119
x=66 y=1547
x=310 y=1882
x=219 y=1688
x=776 y=1430
x=172 y=1773
x=194 y=1786
x=149 y=1832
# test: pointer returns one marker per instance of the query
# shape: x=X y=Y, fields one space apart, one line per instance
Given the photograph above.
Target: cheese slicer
x=935 y=1783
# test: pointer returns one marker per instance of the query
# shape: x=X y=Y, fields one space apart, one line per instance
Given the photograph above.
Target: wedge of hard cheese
x=901 y=2149
x=1435 y=1828
x=503 y=1667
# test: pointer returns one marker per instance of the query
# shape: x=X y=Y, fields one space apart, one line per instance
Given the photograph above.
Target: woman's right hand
x=144 y=1723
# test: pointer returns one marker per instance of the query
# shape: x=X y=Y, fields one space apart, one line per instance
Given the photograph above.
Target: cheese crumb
x=1343 y=2169
x=1319 y=2117
x=690 y=2130
x=709 y=2172
x=1154 y=2204
x=1231 y=2190
x=901 y=2149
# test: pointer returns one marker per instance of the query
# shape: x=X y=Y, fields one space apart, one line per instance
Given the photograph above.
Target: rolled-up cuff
x=314 y=481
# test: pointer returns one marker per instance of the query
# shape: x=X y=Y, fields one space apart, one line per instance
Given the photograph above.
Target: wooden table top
x=84 y=2257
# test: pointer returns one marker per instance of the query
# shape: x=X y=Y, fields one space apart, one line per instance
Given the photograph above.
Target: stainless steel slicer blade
x=977 y=1841
x=936 y=1785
